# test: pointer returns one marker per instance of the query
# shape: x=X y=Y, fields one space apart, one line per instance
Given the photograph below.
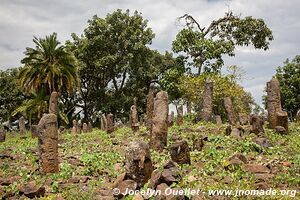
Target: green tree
x=11 y=95
x=205 y=47
x=289 y=79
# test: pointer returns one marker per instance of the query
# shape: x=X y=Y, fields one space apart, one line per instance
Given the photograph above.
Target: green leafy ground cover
x=100 y=156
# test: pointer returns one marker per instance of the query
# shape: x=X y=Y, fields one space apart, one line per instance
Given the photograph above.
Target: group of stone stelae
x=138 y=163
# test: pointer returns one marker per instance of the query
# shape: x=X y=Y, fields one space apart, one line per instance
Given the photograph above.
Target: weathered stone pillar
x=79 y=126
x=180 y=152
x=22 y=127
x=90 y=127
x=179 y=118
x=34 y=131
x=134 y=122
x=103 y=122
x=257 y=124
x=273 y=101
x=159 y=132
x=138 y=164
x=48 y=144
x=207 y=102
x=298 y=116
x=171 y=119
x=2 y=135
x=244 y=118
x=150 y=108
x=85 y=128
x=229 y=110
x=75 y=127
x=53 y=103
x=110 y=123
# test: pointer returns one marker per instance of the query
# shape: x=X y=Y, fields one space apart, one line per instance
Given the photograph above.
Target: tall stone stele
x=159 y=132
x=53 y=103
x=134 y=121
x=103 y=122
x=110 y=123
x=138 y=164
x=150 y=108
x=179 y=118
x=207 y=103
x=48 y=144
x=22 y=127
x=229 y=110
x=276 y=116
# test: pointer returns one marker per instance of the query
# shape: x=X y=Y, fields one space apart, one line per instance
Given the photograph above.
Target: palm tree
x=48 y=67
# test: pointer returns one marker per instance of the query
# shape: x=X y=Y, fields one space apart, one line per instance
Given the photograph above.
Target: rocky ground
x=91 y=164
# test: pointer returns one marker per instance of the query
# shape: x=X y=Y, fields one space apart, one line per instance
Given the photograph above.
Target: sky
x=20 y=20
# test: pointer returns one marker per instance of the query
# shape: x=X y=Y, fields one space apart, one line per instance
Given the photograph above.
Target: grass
x=96 y=154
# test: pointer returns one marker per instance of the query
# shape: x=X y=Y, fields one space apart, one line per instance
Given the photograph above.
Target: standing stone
x=229 y=110
x=159 y=132
x=179 y=119
x=298 y=117
x=2 y=135
x=85 y=128
x=138 y=164
x=22 y=126
x=103 y=122
x=188 y=108
x=180 y=152
x=282 y=120
x=257 y=124
x=134 y=122
x=48 y=144
x=171 y=119
x=34 y=131
x=53 y=103
x=90 y=127
x=110 y=123
x=79 y=126
x=273 y=101
x=218 y=119
x=150 y=108
x=75 y=127
x=207 y=103
x=244 y=118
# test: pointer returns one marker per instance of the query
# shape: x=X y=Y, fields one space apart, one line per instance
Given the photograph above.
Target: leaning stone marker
x=180 y=152
x=2 y=135
x=53 y=103
x=134 y=122
x=229 y=110
x=179 y=119
x=110 y=123
x=48 y=144
x=273 y=101
x=22 y=126
x=34 y=131
x=207 y=103
x=159 y=132
x=138 y=164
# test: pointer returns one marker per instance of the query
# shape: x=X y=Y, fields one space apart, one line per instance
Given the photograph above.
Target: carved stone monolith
x=2 y=135
x=110 y=123
x=85 y=128
x=22 y=127
x=273 y=101
x=179 y=118
x=150 y=108
x=207 y=102
x=134 y=121
x=257 y=124
x=159 y=132
x=229 y=110
x=53 y=103
x=48 y=144
x=103 y=122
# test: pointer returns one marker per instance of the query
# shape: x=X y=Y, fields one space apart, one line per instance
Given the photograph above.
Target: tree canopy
x=205 y=47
